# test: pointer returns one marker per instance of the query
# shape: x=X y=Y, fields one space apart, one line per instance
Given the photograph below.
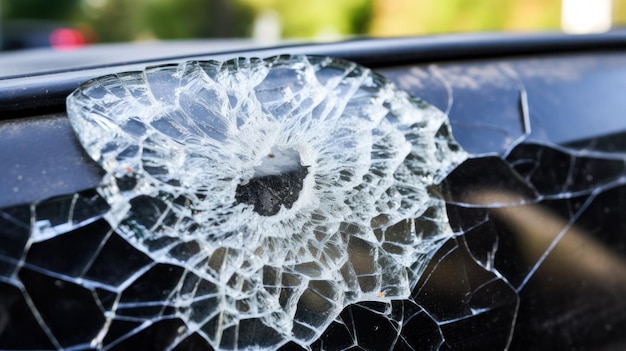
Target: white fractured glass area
x=285 y=188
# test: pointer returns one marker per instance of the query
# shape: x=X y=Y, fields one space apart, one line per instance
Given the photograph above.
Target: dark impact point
x=268 y=192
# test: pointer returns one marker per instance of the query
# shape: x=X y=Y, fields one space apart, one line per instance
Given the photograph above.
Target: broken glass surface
x=533 y=257
x=280 y=190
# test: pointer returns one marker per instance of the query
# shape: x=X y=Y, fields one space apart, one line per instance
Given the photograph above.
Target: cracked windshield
x=206 y=197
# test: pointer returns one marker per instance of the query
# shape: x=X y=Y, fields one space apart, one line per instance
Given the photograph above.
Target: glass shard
x=270 y=193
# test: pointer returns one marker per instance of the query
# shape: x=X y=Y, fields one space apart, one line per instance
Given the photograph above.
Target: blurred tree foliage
x=319 y=18
x=58 y=10
x=405 y=17
x=114 y=20
x=122 y=20
x=198 y=19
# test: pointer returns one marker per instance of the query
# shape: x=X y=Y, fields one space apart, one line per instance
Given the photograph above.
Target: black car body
x=538 y=210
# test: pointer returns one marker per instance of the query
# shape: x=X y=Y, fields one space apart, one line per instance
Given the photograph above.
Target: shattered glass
x=253 y=229
x=282 y=190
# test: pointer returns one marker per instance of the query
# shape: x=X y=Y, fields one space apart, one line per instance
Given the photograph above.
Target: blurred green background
x=130 y=20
